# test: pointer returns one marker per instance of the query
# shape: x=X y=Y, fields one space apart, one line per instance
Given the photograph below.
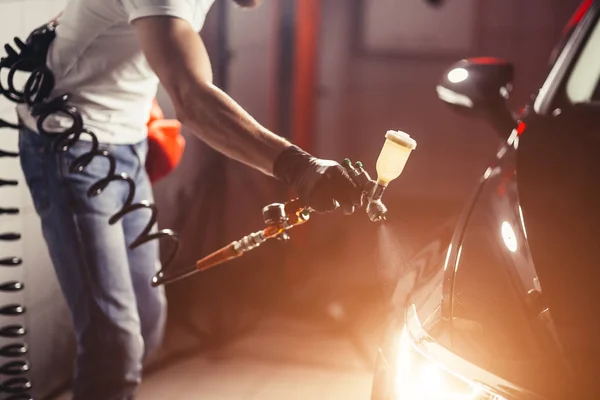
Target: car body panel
x=498 y=321
x=508 y=292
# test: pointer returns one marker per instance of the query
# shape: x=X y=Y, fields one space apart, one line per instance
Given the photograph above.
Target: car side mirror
x=480 y=87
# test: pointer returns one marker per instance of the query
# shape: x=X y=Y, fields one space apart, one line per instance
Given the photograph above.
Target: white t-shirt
x=97 y=58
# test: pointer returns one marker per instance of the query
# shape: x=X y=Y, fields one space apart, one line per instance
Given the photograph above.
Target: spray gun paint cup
x=394 y=155
x=390 y=164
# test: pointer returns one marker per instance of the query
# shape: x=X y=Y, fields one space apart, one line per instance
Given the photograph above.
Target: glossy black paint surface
x=498 y=320
x=559 y=173
x=512 y=288
x=482 y=80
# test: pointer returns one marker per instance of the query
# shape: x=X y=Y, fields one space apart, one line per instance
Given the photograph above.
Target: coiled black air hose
x=29 y=57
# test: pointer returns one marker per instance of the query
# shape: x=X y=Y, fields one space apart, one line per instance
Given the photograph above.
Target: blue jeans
x=118 y=316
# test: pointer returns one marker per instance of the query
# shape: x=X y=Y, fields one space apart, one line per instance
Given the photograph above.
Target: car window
x=583 y=84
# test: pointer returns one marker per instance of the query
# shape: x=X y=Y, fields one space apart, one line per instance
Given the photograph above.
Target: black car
x=505 y=304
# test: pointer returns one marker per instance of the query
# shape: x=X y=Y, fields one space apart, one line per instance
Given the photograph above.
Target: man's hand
x=320 y=184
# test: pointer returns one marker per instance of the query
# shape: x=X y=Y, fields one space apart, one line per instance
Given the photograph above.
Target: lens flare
x=418 y=378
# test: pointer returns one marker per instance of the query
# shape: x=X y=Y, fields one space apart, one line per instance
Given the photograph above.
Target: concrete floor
x=279 y=359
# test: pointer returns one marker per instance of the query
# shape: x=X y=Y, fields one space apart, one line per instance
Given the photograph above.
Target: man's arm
x=179 y=58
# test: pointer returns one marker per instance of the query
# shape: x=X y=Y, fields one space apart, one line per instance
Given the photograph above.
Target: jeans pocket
x=80 y=152
x=95 y=169
x=34 y=159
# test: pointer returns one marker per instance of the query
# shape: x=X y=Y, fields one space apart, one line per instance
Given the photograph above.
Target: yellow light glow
x=431 y=381
x=417 y=378
x=404 y=362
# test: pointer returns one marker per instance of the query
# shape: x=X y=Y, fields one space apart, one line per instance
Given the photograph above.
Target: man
x=110 y=56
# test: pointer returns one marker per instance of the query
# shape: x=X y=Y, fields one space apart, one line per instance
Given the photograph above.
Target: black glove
x=318 y=183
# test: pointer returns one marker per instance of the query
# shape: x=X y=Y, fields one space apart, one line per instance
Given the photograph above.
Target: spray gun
x=281 y=217
x=390 y=164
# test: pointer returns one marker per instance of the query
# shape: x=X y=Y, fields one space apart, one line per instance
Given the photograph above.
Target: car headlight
x=418 y=377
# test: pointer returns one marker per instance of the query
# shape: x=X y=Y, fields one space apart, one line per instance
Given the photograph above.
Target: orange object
x=296 y=215
x=306 y=74
x=165 y=144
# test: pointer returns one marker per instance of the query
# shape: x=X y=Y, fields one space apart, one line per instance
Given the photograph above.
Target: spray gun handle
x=372 y=191
x=295 y=212
x=361 y=177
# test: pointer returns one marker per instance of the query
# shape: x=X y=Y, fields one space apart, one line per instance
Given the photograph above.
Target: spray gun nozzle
x=376 y=210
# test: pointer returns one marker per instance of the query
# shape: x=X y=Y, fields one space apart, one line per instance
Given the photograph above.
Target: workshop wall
x=49 y=338
x=367 y=94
